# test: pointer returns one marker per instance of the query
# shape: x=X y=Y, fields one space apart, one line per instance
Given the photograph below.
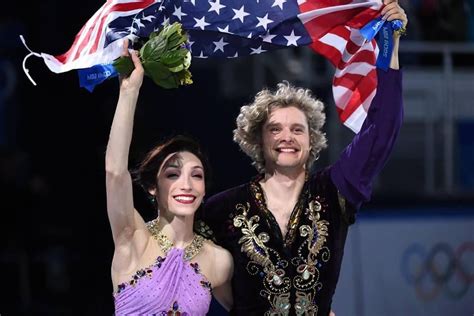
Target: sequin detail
x=174 y=311
x=204 y=282
x=140 y=274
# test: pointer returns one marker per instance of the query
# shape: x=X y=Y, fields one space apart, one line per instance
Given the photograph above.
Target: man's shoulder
x=321 y=174
x=227 y=195
x=216 y=209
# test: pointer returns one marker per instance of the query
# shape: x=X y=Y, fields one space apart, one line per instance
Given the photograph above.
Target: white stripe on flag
x=310 y=15
x=359 y=68
x=342 y=95
x=105 y=56
x=357 y=118
x=335 y=41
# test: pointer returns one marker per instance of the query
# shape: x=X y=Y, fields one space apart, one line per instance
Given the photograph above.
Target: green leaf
x=124 y=65
x=174 y=58
x=175 y=41
x=160 y=74
x=169 y=83
x=168 y=30
x=153 y=48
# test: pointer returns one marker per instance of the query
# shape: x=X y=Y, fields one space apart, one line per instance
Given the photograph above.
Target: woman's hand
x=134 y=81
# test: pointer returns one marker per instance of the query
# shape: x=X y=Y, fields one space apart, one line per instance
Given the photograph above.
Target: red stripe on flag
x=363 y=56
x=66 y=57
x=104 y=12
x=352 y=81
x=328 y=51
x=321 y=25
x=363 y=18
x=119 y=8
x=321 y=4
x=365 y=88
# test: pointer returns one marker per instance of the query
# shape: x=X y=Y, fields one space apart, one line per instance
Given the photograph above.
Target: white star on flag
x=138 y=23
x=257 y=50
x=177 y=12
x=190 y=45
x=278 y=3
x=268 y=37
x=201 y=23
x=131 y=29
x=240 y=14
x=148 y=18
x=216 y=6
x=292 y=38
x=220 y=45
x=264 y=21
x=224 y=30
x=201 y=55
x=166 y=21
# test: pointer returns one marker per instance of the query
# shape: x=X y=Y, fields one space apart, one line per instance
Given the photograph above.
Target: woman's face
x=181 y=185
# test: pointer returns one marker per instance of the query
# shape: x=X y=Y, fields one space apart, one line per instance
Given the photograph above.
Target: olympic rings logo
x=441 y=270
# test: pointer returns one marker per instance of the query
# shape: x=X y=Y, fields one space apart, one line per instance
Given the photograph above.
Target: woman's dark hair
x=146 y=172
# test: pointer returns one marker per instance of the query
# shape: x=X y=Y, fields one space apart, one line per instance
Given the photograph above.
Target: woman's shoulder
x=212 y=245
x=220 y=262
x=221 y=255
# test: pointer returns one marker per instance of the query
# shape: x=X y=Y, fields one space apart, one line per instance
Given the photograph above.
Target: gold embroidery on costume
x=267 y=262
x=304 y=304
x=342 y=202
x=276 y=284
x=295 y=214
x=307 y=282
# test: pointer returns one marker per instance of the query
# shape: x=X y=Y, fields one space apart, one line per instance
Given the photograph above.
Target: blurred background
x=411 y=251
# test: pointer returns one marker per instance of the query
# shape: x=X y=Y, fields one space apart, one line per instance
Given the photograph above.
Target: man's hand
x=393 y=11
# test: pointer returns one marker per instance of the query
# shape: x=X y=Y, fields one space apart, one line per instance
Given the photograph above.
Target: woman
x=160 y=267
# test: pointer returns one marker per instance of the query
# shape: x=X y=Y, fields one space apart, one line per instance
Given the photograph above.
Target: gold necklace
x=190 y=251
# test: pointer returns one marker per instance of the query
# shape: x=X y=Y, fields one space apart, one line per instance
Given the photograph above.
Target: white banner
x=410 y=263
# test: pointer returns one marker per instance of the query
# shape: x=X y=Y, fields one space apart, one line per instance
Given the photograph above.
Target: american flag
x=233 y=28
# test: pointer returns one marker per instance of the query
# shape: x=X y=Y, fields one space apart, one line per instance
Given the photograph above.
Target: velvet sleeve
x=362 y=160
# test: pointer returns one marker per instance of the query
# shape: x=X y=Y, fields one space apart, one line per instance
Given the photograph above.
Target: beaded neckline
x=190 y=251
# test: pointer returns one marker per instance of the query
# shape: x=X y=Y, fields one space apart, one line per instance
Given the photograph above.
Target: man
x=286 y=228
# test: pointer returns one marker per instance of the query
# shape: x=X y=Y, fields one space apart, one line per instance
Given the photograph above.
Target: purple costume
x=171 y=286
x=296 y=274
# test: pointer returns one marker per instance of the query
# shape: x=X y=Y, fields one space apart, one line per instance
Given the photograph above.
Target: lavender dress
x=171 y=286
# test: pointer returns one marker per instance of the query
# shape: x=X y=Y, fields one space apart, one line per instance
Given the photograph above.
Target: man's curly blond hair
x=248 y=133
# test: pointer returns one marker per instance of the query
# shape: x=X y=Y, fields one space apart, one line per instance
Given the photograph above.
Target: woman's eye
x=172 y=175
x=199 y=176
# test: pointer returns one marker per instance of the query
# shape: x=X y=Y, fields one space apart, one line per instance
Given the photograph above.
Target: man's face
x=285 y=139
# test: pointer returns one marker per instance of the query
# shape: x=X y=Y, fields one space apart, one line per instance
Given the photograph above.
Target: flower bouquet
x=165 y=57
